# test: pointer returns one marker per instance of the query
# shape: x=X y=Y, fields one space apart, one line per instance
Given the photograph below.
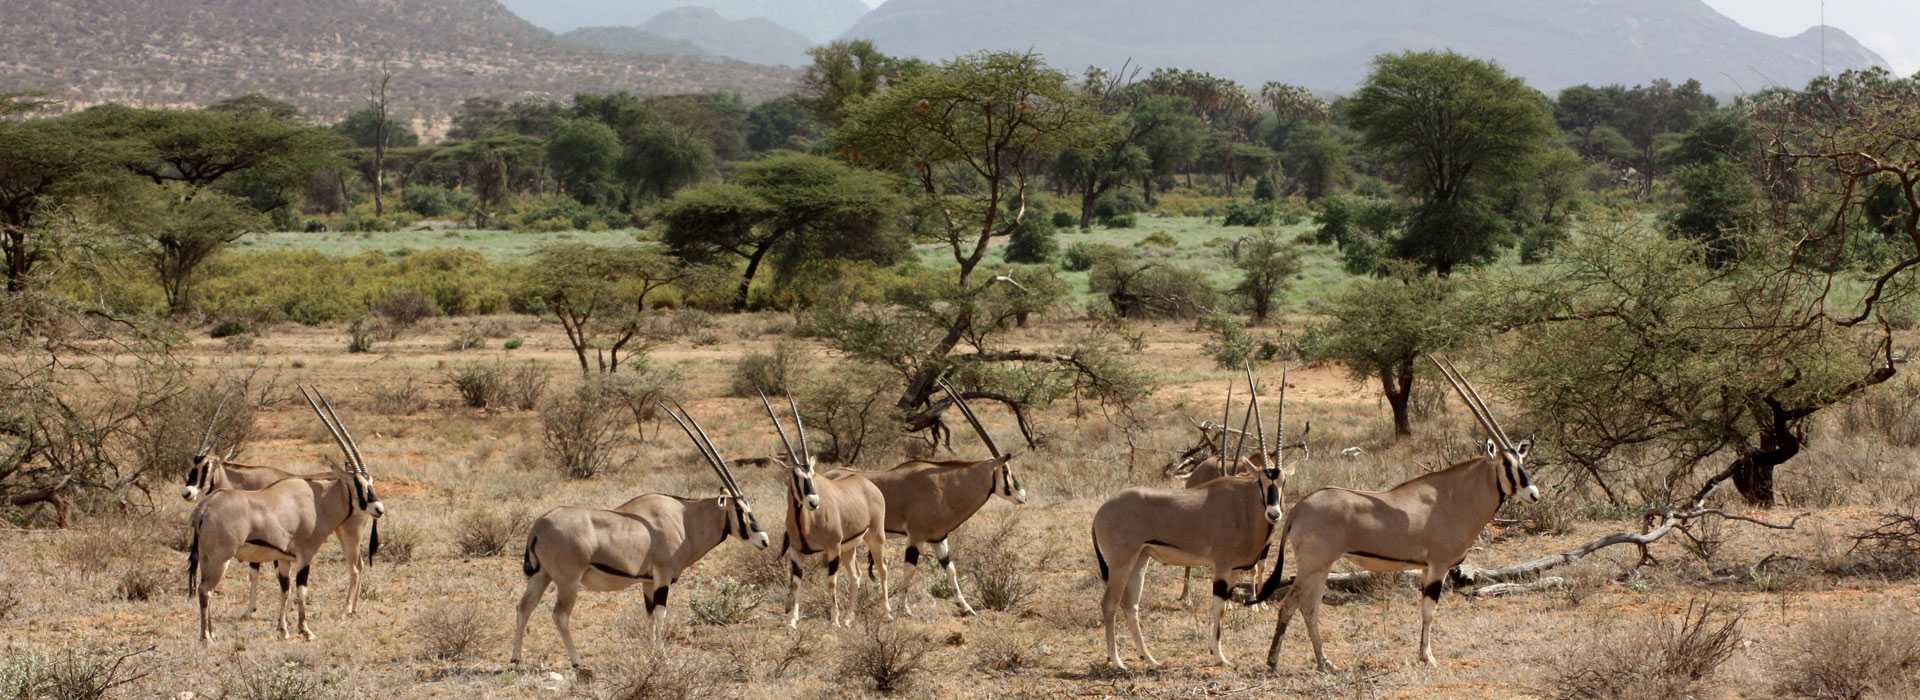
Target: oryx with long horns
x=208 y=473
x=285 y=523
x=647 y=541
x=926 y=501
x=1427 y=523
x=1202 y=469
x=1223 y=524
x=827 y=514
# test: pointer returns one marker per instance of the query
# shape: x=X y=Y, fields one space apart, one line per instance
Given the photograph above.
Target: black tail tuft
x=1274 y=580
x=373 y=545
x=528 y=564
x=193 y=562
x=870 y=569
x=1098 y=558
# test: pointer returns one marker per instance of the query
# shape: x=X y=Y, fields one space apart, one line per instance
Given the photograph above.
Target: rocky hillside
x=754 y=40
x=819 y=20
x=631 y=40
x=319 y=55
x=1327 y=45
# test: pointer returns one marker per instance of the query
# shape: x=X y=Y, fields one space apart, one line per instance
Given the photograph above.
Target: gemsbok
x=1427 y=523
x=926 y=501
x=1223 y=524
x=649 y=541
x=285 y=523
x=208 y=474
x=826 y=514
x=1209 y=468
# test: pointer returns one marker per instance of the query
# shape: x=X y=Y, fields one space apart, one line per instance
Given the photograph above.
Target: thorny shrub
x=1664 y=659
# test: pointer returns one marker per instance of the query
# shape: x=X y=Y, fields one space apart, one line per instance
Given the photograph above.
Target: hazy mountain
x=754 y=40
x=818 y=20
x=1327 y=45
x=319 y=54
x=631 y=40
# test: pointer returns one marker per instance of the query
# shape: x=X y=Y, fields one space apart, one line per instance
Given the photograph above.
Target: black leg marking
x=833 y=566
x=1221 y=590
x=913 y=555
x=1432 y=591
x=793 y=568
x=946 y=561
x=254 y=565
x=659 y=599
x=300 y=579
x=284 y=584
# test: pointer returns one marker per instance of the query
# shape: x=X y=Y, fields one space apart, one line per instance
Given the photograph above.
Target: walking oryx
x=1426 y=523
x=208 y=474
x=649 y=540
x=1223 y=524
x=285 y=523
x=926 y=501
x=826 y=514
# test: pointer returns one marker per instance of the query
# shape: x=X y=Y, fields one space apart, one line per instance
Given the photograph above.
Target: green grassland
x=497 y=246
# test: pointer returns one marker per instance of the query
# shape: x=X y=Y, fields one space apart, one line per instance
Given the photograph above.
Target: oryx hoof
x=968 y=611
x=1428 y=660
x=1116 y=663
x=582 y=672
x=1325 y=666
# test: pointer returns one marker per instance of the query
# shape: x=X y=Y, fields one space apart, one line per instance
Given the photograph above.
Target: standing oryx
x=1208 y=469
x=649 y=540
x=285 y=523
x=208 y=474
x=1427 y=523
x=926 y=501
x=1223 y=524
x=826 y=514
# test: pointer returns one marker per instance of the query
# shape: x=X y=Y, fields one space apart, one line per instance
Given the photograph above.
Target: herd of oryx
x=1223 y=519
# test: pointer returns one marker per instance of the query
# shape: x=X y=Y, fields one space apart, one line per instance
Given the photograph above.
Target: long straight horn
x=335 y=432
x=1259 y=427
x=800 y=427
x=1460 y=387
x=1226 y=418
x=1240 y=441
x=776 y=425
x=359 y=463
x=1280 y=420
x=704 y=454
x=206 y=440
x=713 y=452
x=973 y=420
x=1485 y=410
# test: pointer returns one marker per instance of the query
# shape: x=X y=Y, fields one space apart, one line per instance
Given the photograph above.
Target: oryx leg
x=1136 y=582
x=793 y=590
x=349 y=536
x=656 y=594
x=877 y=555
x=1222 y=592
x=1186 y=582
x=210 y=576
x=953 y=574
x=536 y=588
x=1429 y=599
x=1119 y=572
x=1287 y=607
x=833 y=587
x=253 y=587
x=1308 y=591
x=281 y=572
x=300 y=581
x=563 y=600
x=908 y=592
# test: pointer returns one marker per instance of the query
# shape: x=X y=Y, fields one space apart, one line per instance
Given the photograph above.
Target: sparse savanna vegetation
x=1699 y=311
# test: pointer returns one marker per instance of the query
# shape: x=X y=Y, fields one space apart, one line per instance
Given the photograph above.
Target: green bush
x=1063 y=219
x=1120 y=221
x=1158 y=239
x=1032 y=241
x=775 y=373
x=1082 y=256
x=1245 y=214
x=310 y=288
x=431 y=201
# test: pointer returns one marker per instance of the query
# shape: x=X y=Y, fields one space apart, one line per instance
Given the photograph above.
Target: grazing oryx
x=285 y=523
x=926 y=501
x=1223 y=524
x=826 y=514
x=208 y=474
x=1427 y=523
x=649 y=540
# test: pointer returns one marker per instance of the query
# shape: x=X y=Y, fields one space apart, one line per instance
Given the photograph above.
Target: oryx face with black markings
x=802 y=473
x=200 y=476
x=1512 y=477
x=741 y=523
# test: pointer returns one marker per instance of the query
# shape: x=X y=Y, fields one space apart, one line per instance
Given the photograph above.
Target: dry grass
x=285 y=681
x=886 y=658
x=660 y=675
x=140 y=583
x=726 y=601
x=1665 y=659
x=452 y=632
x=399 y=542
x=71 y=675
x=488 y=532
x=1003 y=579
x=1854 y=654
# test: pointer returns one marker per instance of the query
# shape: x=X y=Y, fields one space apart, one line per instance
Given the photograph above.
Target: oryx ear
x=1492 y=449
x=1523 y=448
x=1286 y=472
x=724 y=499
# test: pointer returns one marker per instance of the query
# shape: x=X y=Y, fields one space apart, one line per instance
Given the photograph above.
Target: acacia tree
x=810 y=205
x=1118 y=152
x=599 y=294
x=1453 y=129
x=971 y=135
x=176 y=235
x=1267 y=264
x=1379 y=328
x=49 y=165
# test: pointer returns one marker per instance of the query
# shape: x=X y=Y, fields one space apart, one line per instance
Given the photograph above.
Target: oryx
x=1426 y=523
x=285 y=523
x=208 y=473
x=926 y=501
x=649 y=540
x=1223 y=524
x=1200 y=470
x=826 y=514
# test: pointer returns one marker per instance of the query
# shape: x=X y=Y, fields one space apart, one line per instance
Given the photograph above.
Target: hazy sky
x=1891 y=27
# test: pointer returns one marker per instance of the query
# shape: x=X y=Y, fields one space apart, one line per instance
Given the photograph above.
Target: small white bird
x=1351 y=452
x=1009 y=280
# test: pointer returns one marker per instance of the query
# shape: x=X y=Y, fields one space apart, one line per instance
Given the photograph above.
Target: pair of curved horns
x=206 y=439
x=705 y=444
x=341 y=435
x=972 y=419
x=1474 y=402
x=804 y=454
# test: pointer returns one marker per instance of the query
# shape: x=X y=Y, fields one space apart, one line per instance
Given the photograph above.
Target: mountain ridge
x=754 y=39
x=818 y=20
x=1552 y=43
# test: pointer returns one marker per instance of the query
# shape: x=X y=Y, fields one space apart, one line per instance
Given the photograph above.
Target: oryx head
x=201 y=468
x=800 y=462
x=1005 y=484
x=739 y=521
x=353 y=468
x=1511 y=476
x=1267 y=466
